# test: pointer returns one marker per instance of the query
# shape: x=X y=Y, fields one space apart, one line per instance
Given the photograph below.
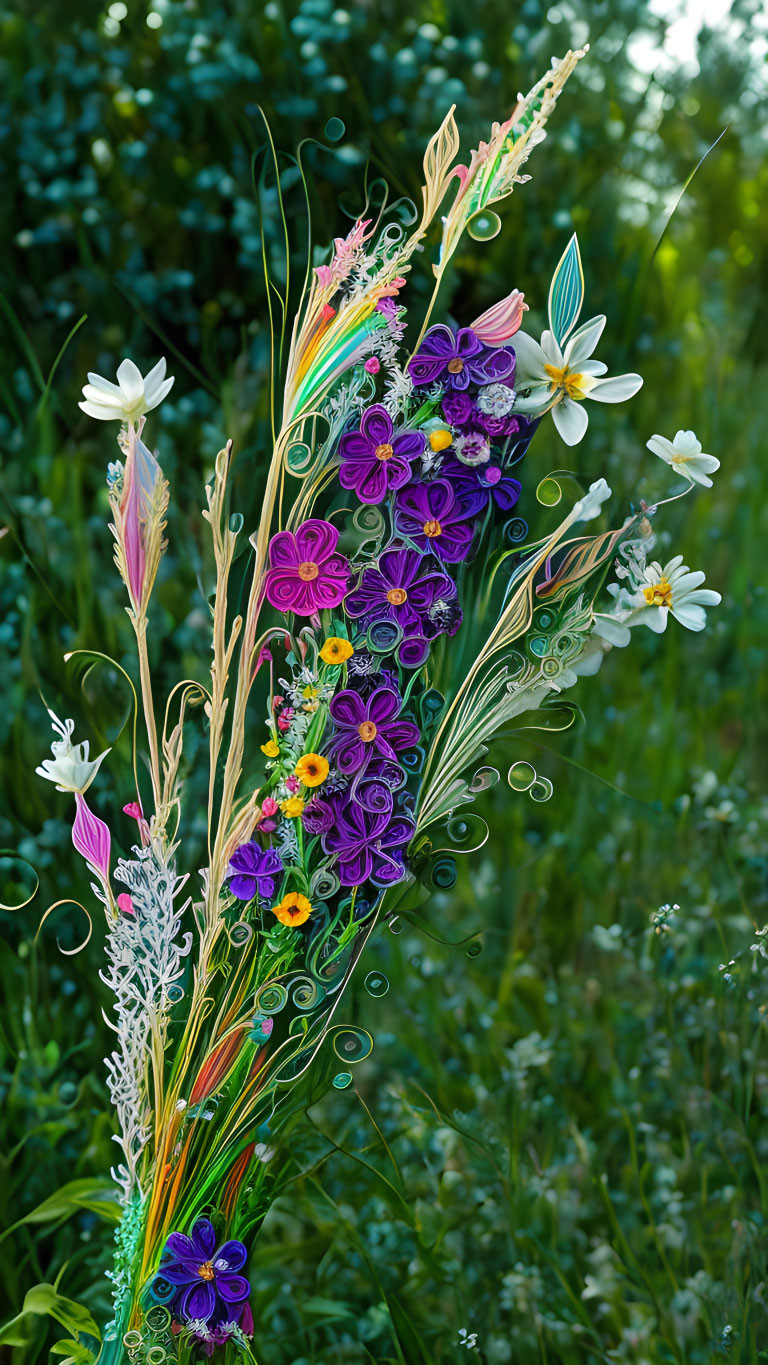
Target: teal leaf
x=566 y=293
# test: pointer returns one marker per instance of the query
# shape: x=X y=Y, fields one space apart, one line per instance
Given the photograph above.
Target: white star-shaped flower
x=547 y=376
x=130 y=398
x=685 y=456
x=70 y=768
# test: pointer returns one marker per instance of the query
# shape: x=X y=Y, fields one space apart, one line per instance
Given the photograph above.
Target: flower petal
x=583 y=341
x=130 y=380
x=617 y=389
x=571 y=420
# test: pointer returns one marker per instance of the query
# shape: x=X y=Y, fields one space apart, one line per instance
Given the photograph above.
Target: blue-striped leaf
x=566 y=293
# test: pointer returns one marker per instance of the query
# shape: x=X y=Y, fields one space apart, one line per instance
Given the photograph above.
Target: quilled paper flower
x=254 y=870
x=336 y=650
x=208 y=1285
x=312 y=769
x=293 y=910
x=432 y=518
x=458 y=359
x=306 y=573
x=364 y=729
x=376 y=459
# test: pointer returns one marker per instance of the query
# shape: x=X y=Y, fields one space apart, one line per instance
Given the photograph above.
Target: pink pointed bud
x=91 y=837
x=500 y=322
x=134 y=810
x=136 y=813
x=269 y=806
x=125 y=903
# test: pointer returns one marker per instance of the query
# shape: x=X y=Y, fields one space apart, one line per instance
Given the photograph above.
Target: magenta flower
x=306 y=574
x=376 y=459
x=433 y=519
x=91 y=837
x=457 y=359
x=367 y=729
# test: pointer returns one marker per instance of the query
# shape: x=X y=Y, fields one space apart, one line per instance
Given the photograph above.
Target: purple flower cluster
x=440 y=478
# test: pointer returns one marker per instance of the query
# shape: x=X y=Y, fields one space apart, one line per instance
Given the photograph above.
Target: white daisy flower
x=130 y=398
x=546 y=375
x=70 y=768
x=659 y=593
x=685 y=456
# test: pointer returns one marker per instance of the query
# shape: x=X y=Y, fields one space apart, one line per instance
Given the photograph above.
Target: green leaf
x=566 y=293
x=96 y=1195
x=42 y=1300
x=76 y=1353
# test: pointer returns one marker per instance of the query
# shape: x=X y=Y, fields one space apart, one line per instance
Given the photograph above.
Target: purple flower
x=366 y=728
x=458 y=359
x=318 y=815
x=306 y=574
x=369 y=845
x=458 y=409
x=401 y=589
x=253 y=870
x=475 y=487
x=433 y=519
x=376 y=459
x=208 y=1289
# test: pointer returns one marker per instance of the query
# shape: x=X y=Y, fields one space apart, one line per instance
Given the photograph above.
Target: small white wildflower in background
x=684 y=455
x=70 y=768
x=130 y=398
x=468 y=1339
x=660 y=592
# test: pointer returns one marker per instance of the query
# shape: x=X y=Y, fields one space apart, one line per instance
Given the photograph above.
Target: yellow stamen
x=658 y=594
x=576 y=385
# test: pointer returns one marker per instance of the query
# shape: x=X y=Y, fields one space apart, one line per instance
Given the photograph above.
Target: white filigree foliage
x=145 y=955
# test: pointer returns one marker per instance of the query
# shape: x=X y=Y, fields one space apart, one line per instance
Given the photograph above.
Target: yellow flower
x=312 y=769
x=441 y=439
x=336 y=651
x=292 y=806
x=271 y=748
x=293 y=909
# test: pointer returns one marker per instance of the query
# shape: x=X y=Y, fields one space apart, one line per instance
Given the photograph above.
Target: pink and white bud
x=91 y=838
x=500 y=322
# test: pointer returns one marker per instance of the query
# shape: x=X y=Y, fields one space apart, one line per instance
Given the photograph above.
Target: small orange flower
x=312 y=769
x=271 y=748
x=293 y=909
x=336 y=650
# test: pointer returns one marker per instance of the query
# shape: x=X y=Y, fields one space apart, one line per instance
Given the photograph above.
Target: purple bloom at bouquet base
x=208 y=1287
x=254 y=870
x=369 y=845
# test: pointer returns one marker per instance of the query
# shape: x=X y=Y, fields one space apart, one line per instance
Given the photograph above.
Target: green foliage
x=574 y=1121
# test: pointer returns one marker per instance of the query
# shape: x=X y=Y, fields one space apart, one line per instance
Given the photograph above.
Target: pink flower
x=292 y=783
x=142 y=474
x=269 y=806
x=91 y=837
x=277 y=703
x=372 y=365
x=125 y=903
x=283 y=723
x=498 y=323
x=306 y=573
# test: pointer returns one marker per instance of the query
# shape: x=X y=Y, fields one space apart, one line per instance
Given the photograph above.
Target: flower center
x=570 y=380
x=397 y=596
x=658 y=594
x=432 y=528
x=367 y=731
x=308 y=571
x=205 y=1271
x=384 y=452
x=455 y=366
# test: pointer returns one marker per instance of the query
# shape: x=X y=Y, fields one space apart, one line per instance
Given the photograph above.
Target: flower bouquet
x=400 y=615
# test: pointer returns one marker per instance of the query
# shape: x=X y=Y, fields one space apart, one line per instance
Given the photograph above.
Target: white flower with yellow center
x=130 y=398
x=658 y=593
x=685 y=456
x=70 y=768
x=547 y=377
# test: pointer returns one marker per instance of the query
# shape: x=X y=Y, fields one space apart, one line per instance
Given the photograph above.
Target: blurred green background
x=564 y=1148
